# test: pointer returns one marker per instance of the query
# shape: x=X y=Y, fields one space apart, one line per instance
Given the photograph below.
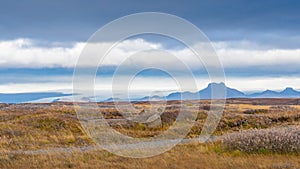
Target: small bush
x=279 y=140
x=255 y=111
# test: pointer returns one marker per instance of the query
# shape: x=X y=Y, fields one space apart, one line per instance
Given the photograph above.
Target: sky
x=256 y=41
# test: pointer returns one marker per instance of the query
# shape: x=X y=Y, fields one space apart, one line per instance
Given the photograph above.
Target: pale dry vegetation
x=278 y=140
x=182 y=156
x=256 y=133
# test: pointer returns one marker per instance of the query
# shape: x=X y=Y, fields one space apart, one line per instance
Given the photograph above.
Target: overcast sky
x=258 y=42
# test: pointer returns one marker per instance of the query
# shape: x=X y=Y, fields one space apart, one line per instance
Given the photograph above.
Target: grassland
x=50 y=136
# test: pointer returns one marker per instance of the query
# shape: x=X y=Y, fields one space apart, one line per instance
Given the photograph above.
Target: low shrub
x=255 y=111
x=279 y=140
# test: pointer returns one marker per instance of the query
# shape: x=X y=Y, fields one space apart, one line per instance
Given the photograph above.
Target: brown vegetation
x=26 y=127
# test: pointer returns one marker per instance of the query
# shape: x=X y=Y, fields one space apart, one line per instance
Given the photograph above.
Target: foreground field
x=50 y=136
x=182 y=156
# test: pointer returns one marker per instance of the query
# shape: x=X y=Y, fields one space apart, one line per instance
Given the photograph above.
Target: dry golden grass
x=182 y=156
x=43 y=126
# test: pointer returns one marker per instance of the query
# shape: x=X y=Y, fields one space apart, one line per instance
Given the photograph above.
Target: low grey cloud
x=22 y=53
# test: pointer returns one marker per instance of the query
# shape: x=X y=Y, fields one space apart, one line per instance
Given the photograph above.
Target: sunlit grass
x=44 y=126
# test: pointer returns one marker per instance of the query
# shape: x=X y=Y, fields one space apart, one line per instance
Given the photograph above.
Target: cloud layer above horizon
x=25 y=53
x=27 y=66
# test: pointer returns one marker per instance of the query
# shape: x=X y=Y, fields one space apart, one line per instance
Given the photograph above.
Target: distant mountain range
x=234 y=93
x=202 y=94
x=230 y=93
x=286 y=93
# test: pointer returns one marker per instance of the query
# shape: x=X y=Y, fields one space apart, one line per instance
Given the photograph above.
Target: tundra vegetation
x=252 y=133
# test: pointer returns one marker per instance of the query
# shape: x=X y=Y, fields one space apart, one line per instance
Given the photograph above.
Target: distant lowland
x=206 y=93
x=31 y=97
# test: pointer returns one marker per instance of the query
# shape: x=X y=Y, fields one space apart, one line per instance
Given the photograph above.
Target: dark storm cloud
x=69 y=20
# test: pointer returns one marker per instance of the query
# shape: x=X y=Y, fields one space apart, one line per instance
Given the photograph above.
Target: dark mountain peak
x=214 y=84
x=151 y=98
x=269 y=91
x=288 y=89
x=112 y=99
x=219 y=91
x=286 y=93
x=264 y=94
